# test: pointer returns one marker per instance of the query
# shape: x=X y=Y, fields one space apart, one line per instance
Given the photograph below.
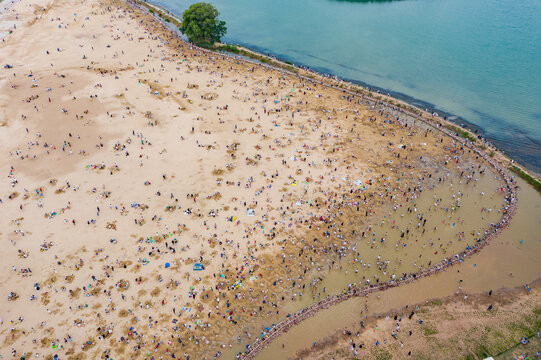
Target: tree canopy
x=200 y=23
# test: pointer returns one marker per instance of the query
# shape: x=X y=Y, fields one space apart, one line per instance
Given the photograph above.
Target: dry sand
x=124 y=149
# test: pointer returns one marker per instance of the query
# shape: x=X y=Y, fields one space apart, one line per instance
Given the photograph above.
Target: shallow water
x=512 y=259
x=476 y=59
x=450 y=209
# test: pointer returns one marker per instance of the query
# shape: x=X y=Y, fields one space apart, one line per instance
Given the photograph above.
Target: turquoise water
x=479 y=60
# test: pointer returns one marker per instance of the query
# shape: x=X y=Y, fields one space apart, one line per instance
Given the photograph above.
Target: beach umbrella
x=167 y=265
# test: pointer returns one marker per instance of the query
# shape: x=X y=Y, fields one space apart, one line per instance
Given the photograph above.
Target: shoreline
x=442 y=125
x=357 y=87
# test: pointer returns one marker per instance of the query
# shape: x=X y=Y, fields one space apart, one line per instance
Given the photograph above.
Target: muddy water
x=455 y=213
x=440 y=223
x=512 y=259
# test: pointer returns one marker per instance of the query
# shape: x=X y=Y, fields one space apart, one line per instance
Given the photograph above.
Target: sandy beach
x=163 y=201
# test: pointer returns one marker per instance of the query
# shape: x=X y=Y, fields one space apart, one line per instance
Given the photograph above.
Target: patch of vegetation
x=252 y=55
x=229 y=48
x=430 y=330
x=512 y=344
x=527 y=177
x=461 y=132
x=436 y=302
x=481 y=351
x=382 y=354
x=520 y=329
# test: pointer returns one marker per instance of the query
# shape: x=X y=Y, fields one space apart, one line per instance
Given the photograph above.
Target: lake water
x=479 y=60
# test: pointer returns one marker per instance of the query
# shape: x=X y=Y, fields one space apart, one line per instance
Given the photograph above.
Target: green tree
x=200 y=23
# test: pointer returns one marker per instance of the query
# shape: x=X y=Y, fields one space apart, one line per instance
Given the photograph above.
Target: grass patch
x=513 y=344
x=430 y=330
x=230 y=48
x=436 y=302
x=382 y=354
x=527 y=177
x=461 y=132
x=481 y=351
x=252 y=55
x=520 y=329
